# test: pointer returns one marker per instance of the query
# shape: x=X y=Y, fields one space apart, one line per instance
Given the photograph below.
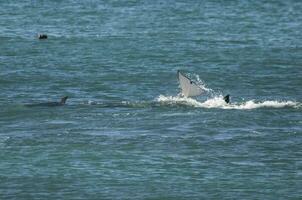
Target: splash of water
x=218 y=102
x=202 y=84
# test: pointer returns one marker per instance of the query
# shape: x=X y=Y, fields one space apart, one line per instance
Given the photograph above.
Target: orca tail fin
x=64 y=99
x=227 y=98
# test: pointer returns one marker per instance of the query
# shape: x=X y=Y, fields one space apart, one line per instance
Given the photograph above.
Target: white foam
x=218 y=102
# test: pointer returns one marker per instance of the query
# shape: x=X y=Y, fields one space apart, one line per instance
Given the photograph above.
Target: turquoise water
x=125 y=133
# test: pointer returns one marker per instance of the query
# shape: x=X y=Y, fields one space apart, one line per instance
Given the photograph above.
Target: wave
x=218 y=102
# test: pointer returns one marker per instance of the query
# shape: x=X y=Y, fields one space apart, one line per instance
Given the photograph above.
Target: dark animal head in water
x=227 y=98
x=42 y=36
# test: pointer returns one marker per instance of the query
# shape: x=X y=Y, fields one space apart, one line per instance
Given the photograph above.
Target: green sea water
x=125 y=133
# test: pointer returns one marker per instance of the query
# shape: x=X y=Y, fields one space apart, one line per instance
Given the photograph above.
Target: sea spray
x=218 y=102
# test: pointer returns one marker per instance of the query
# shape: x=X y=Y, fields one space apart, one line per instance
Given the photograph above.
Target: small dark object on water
x=227 y=98
x=42 y=36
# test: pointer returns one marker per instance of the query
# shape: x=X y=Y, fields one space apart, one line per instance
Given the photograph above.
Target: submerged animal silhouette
x=50 y=104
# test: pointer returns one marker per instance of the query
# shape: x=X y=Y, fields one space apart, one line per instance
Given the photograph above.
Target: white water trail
x=218 y=102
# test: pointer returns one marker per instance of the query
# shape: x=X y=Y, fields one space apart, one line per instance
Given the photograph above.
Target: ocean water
x=125 y=133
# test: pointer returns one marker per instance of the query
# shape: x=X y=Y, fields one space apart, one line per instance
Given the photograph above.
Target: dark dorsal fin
x=63 y=100
x=227 y=98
